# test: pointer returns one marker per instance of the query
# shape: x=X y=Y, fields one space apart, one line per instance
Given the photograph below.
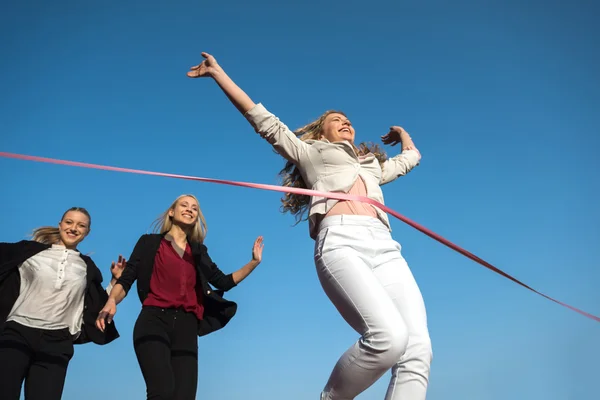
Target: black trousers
x=39 y=357
x=166 y=346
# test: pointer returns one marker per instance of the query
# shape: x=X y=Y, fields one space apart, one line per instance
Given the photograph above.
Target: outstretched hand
x=206 y=68
x=396 y=135
x=257 y=249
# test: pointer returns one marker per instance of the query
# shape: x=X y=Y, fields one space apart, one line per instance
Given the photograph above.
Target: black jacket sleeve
x=213 y=274
x=8 y=251
x=12 y=254
x=130 y=272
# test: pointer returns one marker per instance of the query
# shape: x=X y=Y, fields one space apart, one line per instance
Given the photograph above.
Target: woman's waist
x=346 y=184
x=366 y=221
x=352 y=207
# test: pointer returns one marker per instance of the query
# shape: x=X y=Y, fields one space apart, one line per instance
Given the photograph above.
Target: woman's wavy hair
x=297 y=204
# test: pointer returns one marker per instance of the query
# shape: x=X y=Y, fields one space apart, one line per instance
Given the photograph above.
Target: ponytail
x=46 y=235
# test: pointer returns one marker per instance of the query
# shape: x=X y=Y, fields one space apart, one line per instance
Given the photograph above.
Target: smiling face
x=337 y=128
x=73 y=228
x=185 y=212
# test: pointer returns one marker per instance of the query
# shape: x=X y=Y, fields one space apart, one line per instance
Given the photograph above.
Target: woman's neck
x=61 y=243
x=178 y=235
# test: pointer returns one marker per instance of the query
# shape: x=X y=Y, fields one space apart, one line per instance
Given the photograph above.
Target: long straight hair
x=164 y=222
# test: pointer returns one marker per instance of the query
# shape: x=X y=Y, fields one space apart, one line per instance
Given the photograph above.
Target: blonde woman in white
x=359 y=265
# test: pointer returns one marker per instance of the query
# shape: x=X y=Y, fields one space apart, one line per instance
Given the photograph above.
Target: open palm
x=205 y=68
x=257 y=249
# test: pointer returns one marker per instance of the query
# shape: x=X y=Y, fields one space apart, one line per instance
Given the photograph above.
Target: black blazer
x=14 y=254
x=217 y=311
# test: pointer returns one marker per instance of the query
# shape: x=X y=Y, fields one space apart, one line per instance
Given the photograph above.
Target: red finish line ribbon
x=308 y=192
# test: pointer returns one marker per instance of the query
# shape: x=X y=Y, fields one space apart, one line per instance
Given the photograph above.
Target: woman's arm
x=107 y=314
x=404 y=162
x=283 y=140
x=122 y=285
x=247 y=269
x=210 y=67
x=218 y=279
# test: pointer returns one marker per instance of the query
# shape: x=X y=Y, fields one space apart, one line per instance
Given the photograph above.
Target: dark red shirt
x=173 y=281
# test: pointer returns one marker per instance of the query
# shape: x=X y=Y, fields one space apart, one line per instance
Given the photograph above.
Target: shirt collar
x=61 y=247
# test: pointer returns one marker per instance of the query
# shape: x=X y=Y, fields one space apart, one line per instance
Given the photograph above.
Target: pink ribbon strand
x=337 y=196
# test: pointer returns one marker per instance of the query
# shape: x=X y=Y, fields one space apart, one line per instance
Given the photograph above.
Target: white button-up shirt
x=330 y=167
x=51 y=296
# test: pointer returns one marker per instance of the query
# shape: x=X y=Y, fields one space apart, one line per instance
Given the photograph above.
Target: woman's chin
x=185 y=225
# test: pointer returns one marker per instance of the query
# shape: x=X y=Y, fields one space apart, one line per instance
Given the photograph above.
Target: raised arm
x=404 y=162
x=217 y=278
x=283 y=140
x=247 y=269
x=210 y=68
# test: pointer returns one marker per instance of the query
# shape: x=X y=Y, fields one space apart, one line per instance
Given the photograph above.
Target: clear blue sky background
x=501 y=97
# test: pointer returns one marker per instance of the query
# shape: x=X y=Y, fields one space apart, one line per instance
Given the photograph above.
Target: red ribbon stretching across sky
x=337 y=196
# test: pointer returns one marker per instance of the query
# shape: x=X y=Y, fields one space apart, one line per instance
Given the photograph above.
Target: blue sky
x=501 y=97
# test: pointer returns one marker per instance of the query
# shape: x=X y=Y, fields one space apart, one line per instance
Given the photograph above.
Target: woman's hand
x=247 y=269
x=116 y=269
x=257 y=250
x=396 y=135
x=106 y=315
x=208 y=67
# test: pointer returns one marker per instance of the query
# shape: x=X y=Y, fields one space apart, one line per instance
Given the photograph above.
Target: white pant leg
x=344 y=258
x=410 y=375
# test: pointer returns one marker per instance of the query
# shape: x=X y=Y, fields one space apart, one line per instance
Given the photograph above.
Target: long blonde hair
x=51 y=234
x=164 y=222
x=296 y=204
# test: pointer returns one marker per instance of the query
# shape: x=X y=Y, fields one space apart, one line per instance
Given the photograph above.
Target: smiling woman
x=74 y=226
x=359 y=264
x=50 y=295
x=173 y=272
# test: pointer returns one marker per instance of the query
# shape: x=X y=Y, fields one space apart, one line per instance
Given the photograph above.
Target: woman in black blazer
x=50 y=295
x=173 y=272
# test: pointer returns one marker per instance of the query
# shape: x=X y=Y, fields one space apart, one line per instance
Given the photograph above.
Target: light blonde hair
x=164 y=223
x=51 y=234
x=296 y=204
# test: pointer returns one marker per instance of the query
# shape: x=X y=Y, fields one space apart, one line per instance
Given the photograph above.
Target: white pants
x=367 y=279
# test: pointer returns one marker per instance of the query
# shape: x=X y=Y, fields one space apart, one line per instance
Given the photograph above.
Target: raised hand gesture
x=116 y=269
x=206 y=68
x=396 y=135
x=257 y=250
